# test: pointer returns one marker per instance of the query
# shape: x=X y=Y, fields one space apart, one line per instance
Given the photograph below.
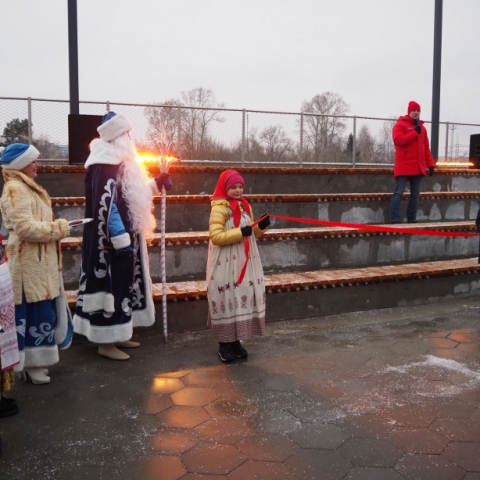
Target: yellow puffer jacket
x=33 y=250
x=221 y=212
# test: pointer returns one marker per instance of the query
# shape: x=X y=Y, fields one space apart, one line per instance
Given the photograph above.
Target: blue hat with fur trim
x=113 y=126
x=17 y=156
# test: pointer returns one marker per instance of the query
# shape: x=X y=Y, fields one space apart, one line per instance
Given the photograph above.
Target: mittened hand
x=246 y=231
x=431 y=171
x=125 y=252
x=418 y=129
x=164 y=180
x=264 y=222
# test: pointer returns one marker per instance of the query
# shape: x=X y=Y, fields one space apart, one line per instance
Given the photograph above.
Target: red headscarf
x=226 y=180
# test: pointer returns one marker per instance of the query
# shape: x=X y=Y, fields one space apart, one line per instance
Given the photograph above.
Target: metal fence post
x=354 y=140
x=446 y=140
x=108 y=105
x=179 y=125
x=242 y=151
x=29 y=102
x=301 y=139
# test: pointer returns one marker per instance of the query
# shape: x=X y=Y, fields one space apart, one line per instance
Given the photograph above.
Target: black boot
x=225 y=352
x=8 y=408
x=239 y=349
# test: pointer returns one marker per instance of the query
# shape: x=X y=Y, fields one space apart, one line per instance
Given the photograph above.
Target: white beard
x=136 y=191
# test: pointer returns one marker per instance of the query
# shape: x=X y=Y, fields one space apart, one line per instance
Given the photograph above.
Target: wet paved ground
x=384 y=395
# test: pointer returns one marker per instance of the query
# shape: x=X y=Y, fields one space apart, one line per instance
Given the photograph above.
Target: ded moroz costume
x=115 y=293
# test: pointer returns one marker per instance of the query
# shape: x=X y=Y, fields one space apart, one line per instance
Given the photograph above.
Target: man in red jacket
x=412 y=161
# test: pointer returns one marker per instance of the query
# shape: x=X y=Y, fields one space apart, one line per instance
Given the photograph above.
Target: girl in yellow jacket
x=236 y=287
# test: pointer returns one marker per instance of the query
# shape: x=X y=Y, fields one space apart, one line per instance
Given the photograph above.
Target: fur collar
x=102 y=153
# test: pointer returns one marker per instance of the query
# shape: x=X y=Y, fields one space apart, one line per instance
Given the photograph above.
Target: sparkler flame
x=165 y=146
x=455 y=164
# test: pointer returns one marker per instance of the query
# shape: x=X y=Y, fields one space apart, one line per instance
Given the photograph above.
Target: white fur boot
x=109 y=350
x=37 y=376
x=128 y=344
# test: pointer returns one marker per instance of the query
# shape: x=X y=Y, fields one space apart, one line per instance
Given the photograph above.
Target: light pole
x=73 y=56
x=437 y=70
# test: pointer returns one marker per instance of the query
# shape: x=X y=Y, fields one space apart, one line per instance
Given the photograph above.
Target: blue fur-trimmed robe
x=115 y=291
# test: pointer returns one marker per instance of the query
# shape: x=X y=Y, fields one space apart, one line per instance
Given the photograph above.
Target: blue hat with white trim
x=113 y=126
x=17 y=156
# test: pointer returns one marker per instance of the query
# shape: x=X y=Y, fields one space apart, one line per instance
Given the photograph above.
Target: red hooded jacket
x=412 y=150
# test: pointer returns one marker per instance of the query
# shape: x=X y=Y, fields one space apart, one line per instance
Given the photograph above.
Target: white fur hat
x=17 y=156
x=113 y=126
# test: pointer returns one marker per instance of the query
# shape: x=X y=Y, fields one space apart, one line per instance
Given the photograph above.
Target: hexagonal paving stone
x=194 y=397
x=377 y=341
x=365 y=473
x=167 y=467
x=230 y=408
x=370 y=452
x=264 y=470
x=183 y=417
x=230 y=391
x=204 y=378
x=368 y=426
x=275 y=421
x=409 y=416
x=464 y=337
x=267 y=447
x=318 y=464
x=203 y=476
x=451 y=353
x=458 y=429
x=157 y=403
x=451 y=408
x=223 y=430
x=280 y=366
x=321 y=362
x=441 y=342
x=314 y=412
x=319 y=436
x=428 y=467
x=213 y=459
x=465 y=455
x=175 y=374
x=475 y=415
x=472 y=476
x=417 y=440
x=173 y=441
x=166 y=385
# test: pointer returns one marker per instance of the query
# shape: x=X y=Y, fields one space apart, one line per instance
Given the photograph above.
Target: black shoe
x=239 y=350
x=396 y=221
x=4 y=401
x=8 y=410
x=225 y=352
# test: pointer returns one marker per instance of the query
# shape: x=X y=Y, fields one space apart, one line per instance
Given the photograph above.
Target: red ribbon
x=374 y=228
x=356 y=226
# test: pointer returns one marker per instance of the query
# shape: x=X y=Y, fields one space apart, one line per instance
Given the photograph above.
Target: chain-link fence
x=219 y=135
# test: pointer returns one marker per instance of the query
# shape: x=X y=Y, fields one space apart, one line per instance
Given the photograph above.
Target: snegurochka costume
x=35 y=261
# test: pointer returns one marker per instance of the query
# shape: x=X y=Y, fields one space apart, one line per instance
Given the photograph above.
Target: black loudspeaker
x=474 y=156
x=82 y=129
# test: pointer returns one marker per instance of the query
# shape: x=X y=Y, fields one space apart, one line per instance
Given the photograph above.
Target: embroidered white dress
x=236 y=312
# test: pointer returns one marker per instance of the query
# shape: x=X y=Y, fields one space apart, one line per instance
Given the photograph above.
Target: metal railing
x=232 y=136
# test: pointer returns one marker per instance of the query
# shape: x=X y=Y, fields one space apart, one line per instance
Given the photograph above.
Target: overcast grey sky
x=253 y=54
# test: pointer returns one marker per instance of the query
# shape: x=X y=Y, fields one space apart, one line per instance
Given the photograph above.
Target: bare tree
x=324 y=126
x=365 y=145
x=277 y=146
x=197 y=121
x=163 y=116
x=385 y=150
